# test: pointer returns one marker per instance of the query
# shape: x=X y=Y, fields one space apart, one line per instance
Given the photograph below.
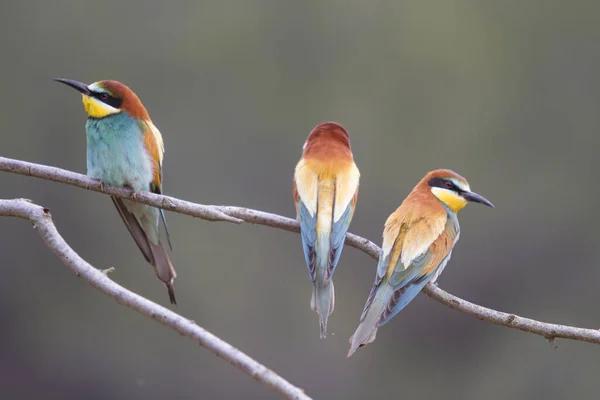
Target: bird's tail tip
x=323 y=326
x=171 y=291
x=164 y=269
x=362 y=337
x=323 y=302
x=370 y=320
x=351 y=351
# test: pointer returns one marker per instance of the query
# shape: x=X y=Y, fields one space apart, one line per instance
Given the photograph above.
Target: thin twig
x=42 y=222
x=547 y=330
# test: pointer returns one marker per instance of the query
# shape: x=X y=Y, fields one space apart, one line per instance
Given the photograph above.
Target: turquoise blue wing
x=338 y=236
x=407 y=284
x=308 y=231
x=392 y=293
x=394 y=289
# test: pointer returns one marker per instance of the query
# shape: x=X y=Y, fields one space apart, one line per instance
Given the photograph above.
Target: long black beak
x=474 y=197
x=81 y=87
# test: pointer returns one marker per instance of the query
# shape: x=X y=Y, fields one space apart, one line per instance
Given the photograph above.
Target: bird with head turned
x=325 y=190
x=125 y=149
x=418 y=239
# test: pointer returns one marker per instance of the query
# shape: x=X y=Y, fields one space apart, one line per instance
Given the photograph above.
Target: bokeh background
x=505 y=93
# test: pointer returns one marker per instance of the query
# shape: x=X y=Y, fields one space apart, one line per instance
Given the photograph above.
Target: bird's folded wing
x=155 y=147
x=134 y=228
x=417 y=241
x=408 y=281
x=308 y=228
x=346 y=194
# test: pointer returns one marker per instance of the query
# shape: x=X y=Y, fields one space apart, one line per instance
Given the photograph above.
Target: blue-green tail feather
x=323 y=297
x=322 y=252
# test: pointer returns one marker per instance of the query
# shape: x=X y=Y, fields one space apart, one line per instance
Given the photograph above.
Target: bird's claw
x=134 y=194
x=101 y=184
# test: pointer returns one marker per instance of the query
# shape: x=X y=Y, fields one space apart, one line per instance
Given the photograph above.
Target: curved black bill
x=474 y=197
x=81 y=87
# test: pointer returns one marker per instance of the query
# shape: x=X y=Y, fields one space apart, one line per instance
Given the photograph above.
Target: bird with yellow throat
x=418 y=239
x=125 y=149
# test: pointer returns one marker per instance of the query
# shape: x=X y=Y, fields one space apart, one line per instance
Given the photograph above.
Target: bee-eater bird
x=125 y=149
x=325 y=191
x=418 y=239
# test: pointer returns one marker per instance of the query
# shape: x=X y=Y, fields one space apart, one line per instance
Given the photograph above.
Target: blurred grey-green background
x=504 y=92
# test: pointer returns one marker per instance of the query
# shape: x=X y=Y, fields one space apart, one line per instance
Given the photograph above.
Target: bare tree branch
x=545 y=329
x=42 y=222
x=548 y=330
x=83 y=181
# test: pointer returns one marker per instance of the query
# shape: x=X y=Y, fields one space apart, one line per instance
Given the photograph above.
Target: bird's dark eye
x=448 y=184
x=103 y=96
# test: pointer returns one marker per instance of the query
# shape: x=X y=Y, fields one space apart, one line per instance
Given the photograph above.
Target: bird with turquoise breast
x=418 y=239
x=125 y=149
x=325 y=190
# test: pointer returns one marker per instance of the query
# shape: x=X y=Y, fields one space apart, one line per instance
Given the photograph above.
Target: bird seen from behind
x=325 y=190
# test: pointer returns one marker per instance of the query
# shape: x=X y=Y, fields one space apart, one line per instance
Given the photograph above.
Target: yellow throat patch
x=452 y=200
x=97 y=109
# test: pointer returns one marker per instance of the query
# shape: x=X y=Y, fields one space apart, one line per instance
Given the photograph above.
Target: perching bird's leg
x=101 y=184
x=134 y=193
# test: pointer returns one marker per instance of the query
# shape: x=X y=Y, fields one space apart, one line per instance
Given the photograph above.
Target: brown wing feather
x=134 y=229
x=154 y=254
x=295 y=195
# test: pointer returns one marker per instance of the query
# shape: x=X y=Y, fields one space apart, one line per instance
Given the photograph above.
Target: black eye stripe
x=444 y=183
x=110 y=100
